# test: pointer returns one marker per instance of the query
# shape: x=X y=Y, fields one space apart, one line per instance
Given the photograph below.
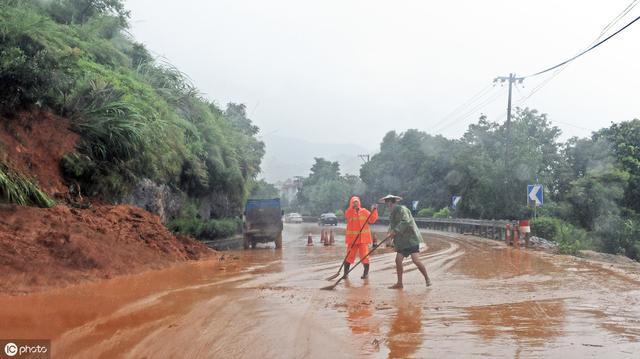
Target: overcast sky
x=349 y=71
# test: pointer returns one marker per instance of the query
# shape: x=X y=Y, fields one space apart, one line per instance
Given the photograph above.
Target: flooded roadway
x=487 y=300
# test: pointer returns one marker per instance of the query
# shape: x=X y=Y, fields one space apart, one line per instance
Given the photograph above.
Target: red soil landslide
x=33 y=143
x=45 y=248
x=42 y=248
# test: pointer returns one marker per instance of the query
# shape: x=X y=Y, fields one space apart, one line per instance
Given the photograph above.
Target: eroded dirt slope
x=41 y=248
x=44 y=248
x=33 y=143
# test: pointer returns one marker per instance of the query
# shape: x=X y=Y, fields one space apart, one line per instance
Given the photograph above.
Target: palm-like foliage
x=16 y=188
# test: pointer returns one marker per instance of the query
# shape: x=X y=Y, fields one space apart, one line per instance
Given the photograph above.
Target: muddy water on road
x=487 y=300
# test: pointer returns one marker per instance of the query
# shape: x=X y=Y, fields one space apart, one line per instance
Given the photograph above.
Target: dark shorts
x=407 y=251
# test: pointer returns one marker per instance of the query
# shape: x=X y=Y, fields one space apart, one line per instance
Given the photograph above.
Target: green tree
x=80 y=11
x=624 y=138
x=262 y=189
x=325 y=190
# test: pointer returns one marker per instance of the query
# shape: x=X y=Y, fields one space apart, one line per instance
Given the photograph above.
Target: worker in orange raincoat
x=357 y=223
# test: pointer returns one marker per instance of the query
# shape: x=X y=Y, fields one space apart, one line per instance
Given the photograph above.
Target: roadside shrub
x=570 y=239
x=208 y=229
x=545 y=227
x=618 y=235
x=426 y=213
x=190 y=223
x=443 y=213
x=340 y=214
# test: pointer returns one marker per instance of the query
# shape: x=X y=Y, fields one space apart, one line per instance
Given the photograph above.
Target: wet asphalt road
x=488 y=300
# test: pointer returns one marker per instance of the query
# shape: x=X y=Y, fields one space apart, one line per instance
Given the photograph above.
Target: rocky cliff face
x=159 y=199
x=167 y=202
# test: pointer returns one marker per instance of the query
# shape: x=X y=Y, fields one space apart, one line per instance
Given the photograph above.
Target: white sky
x=349 y=71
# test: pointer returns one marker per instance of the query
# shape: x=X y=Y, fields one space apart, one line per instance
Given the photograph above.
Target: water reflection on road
x=487 y=300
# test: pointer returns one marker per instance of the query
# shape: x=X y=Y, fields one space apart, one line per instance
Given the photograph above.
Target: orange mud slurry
x=487 y=300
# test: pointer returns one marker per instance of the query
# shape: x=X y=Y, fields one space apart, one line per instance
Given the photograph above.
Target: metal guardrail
x=315 y=219
x=494 y=229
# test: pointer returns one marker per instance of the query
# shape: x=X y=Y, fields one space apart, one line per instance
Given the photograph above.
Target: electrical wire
x=612 y=23
x=585 y=51
x=620 y=16
x=468 y=108
x=470 y=112
x=464 y=105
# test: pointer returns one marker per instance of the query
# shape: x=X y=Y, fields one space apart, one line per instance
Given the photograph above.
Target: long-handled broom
x=331 y=287
x=351 y=247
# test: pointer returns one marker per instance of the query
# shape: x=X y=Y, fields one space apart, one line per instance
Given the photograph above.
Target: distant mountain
x=288 y=157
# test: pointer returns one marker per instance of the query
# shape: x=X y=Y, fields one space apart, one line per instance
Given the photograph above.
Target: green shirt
x=407 y=233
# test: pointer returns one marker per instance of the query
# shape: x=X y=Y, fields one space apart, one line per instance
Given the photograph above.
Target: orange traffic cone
x=326 y=238
x=375 y=239
x=332 y=239
x=309 y=240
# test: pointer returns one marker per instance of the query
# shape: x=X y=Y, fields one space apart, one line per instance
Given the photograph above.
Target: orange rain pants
x=359 y=248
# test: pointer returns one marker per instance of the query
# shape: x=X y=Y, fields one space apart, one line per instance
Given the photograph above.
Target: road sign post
x=535 y=196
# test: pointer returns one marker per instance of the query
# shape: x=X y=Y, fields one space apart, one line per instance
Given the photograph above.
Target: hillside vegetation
x=137 y=117
x=591 y=185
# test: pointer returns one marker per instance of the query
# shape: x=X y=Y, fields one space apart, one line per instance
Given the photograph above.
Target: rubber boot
x=347 y=265
x=365 y=274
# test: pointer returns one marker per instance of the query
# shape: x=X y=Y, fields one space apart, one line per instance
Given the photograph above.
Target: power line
x=468 y=107
x=464 y=106
x=621 y=15
x=592 y=45
x=585 y=51
x=470 y=112
x=611 y=23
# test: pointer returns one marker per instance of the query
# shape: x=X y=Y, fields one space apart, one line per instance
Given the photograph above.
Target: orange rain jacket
x=355 y=220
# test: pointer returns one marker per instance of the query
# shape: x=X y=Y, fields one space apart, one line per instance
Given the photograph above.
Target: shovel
x=351 y=247
x=331 y=287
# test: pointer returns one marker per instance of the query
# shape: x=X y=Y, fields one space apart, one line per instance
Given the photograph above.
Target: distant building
x=289 y=188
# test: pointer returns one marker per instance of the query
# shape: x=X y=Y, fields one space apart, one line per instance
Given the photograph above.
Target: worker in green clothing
x=406 y=237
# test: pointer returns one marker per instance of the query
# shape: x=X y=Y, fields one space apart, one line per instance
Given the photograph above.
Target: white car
x=293 y=218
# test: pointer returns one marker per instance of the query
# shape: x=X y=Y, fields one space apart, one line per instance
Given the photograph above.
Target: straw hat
x=389 y=197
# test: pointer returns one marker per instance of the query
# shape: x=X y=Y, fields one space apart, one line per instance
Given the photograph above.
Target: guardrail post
x=507 y=233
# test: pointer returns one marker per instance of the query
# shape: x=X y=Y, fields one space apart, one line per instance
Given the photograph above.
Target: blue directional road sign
x=535 y=194
x=455 y=200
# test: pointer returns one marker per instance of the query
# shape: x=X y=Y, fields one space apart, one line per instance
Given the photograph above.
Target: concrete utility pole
x=512 y=79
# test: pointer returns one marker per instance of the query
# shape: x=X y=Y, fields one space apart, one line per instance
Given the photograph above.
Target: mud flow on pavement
x=487 y=300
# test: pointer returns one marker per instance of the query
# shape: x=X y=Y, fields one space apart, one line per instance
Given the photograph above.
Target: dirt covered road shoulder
x=44 y=248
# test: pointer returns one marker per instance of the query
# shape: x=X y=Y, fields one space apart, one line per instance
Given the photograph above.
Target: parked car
x=328 y=219
x=293 y=218
x=262 y=222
